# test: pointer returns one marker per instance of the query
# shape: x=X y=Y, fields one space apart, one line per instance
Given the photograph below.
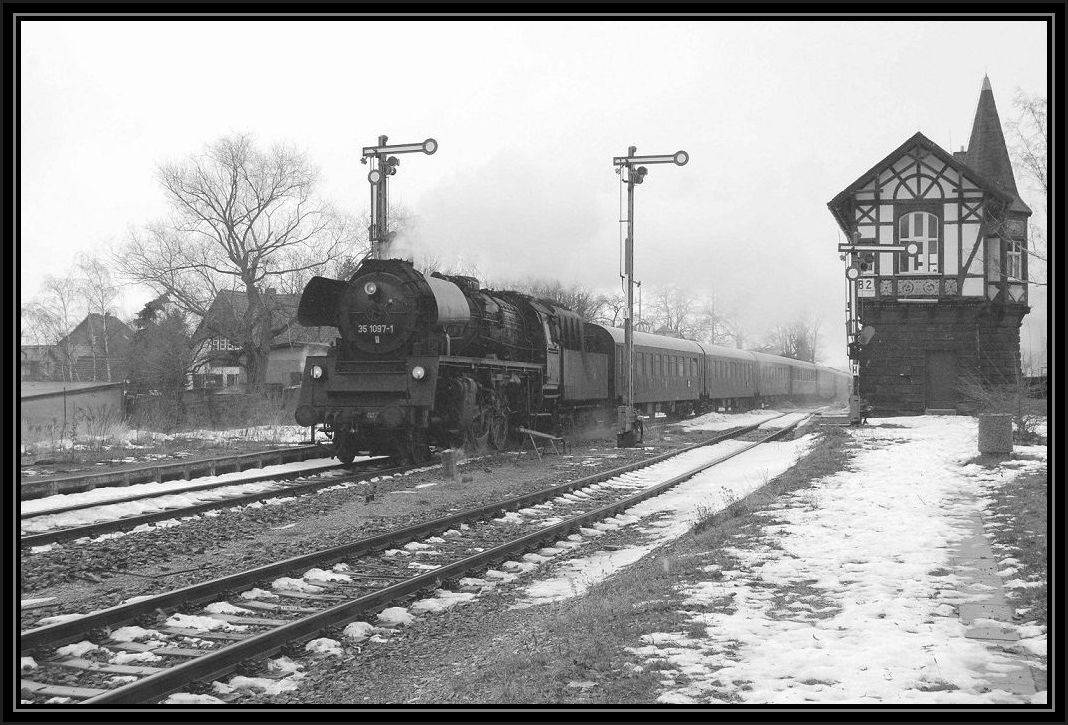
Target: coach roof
x=677 y=344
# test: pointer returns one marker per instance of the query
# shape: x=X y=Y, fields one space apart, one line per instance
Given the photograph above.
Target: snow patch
x=395 y=616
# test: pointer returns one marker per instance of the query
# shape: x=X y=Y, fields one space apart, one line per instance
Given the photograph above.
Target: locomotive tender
x=435 y=360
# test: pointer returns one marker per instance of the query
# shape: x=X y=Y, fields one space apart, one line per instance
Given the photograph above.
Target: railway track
x=43 y=486
x=360 y=471
x=252 y=614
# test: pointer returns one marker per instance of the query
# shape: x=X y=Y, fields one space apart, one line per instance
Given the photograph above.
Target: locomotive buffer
x=630 y=427
x=860 y=255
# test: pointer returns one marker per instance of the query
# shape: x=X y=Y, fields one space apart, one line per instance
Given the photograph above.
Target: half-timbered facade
x=953 y=311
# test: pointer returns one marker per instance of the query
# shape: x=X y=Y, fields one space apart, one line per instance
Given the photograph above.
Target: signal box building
x=951 y=314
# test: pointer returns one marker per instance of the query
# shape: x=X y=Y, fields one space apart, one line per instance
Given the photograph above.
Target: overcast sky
x=778 y=117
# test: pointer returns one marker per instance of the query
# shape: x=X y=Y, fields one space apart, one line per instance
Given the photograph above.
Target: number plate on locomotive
x=374 y=329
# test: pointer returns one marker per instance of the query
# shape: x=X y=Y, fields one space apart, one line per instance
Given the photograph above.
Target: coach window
x=923 y=228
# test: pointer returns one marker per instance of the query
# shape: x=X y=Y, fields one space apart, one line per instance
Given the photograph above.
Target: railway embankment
x=892 y=548
x=890 y=565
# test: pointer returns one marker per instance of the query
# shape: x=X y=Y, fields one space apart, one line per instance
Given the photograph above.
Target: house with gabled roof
x=952 y=312
x=218 y=358
x=37 y=362
x=94 y=351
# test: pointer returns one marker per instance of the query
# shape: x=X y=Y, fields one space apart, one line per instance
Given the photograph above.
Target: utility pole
x=630 y=428
x=384 y=166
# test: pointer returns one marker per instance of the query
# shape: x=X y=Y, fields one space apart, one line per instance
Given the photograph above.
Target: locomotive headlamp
x=317 y=372
x=370 y=288
x=418 y=372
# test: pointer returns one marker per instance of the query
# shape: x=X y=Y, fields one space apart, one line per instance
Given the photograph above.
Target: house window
x=923 y=228
x=1014 y=259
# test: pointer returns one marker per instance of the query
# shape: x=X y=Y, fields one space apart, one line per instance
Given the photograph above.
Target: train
x=427 y=360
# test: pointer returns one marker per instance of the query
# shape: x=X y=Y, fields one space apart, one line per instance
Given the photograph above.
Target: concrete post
x=449 y=466
x=995 y=433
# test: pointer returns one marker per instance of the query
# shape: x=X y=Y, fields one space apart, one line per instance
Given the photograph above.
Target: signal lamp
x=852 y=273
x=681 y=158
x=418 y=372
x=430 y=146
x=374 y=176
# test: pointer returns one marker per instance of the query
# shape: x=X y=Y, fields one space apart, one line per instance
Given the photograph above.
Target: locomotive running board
x=488 y=362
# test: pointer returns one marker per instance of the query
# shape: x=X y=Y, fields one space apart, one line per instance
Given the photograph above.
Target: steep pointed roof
x=987 y=151
x=838 y=205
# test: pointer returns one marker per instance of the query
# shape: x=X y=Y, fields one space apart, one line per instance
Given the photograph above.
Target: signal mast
x=629 y=431
x=384 y=166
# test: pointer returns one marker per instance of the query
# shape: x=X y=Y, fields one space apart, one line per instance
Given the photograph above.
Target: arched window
x=923 y=228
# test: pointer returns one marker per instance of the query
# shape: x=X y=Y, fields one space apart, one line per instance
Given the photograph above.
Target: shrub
x=980 y=397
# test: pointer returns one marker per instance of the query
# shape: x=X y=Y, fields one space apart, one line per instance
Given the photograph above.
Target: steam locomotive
x=436 y=360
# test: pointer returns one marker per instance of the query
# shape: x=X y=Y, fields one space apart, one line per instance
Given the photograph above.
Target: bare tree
x=35 y=324
x=99 y=292
x=713 y=325
x=243 y=220
x=797 y=339
x=674 y=310
x=1028 y=134
x=51 y=318
x=612 y=310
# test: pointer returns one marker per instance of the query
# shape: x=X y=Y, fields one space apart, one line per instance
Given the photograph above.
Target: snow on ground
x=664 y=518
x=724 y=421
x=857 y=604
x=106 y=493
x=266 y=433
